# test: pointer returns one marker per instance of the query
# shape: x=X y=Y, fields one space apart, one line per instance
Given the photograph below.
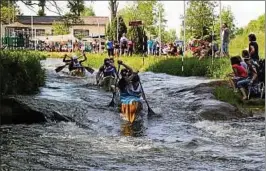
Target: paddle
x=112 y=103
x=60 y=68
x=90 y=70
x=150 y=111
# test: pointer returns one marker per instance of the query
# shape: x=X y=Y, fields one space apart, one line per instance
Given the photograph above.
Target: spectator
x=123 y=44
x=150 y=47
x=239 y=72
x=245 y=54
x=225 y=39
x=110 y=48
x=253 y=48
x=130 y=48
x=116 y=48
x=252 y=77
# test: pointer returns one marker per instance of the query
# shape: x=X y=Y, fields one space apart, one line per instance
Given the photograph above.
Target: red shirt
x=240 y=71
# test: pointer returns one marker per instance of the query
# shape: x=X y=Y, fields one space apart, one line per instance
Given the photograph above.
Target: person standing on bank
x=253 y=48
x=225 y=39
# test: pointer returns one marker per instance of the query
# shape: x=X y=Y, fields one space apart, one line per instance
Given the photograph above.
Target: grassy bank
x=21 y=72
x=223 y=92
x=241 y=42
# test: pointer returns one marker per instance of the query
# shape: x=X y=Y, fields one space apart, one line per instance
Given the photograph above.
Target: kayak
x=131 y=107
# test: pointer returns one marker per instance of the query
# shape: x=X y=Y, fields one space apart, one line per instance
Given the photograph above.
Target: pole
x=99 y=37
x=31 y=26
x=221 y=36
x=160 y=36
x=117 y=26
x=72 y=39
x=184 y=31
x=35 y=40
x=212 y=36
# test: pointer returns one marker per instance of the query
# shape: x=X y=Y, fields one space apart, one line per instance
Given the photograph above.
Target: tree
x=169 y=36
x=228 y=18
x=138 y=36
x=41 y=11
x=113 y=6
x=76 y=7
x=122 y=28
x=88 y=11
x=147 y=12
x=199 y=18
x=60 y=28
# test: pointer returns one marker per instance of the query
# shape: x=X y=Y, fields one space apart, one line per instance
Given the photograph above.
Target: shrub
x=21 y=72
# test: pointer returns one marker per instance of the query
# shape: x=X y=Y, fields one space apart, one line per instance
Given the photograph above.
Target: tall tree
x=8 y=11
x=228 y=18
x=122 y=28
x=199 y=18
x=41 y=11
x=76 y=7
x=88 y=11
x=113 y=6
x=147 y=12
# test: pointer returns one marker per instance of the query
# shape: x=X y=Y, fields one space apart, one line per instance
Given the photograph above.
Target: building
x=91 y=26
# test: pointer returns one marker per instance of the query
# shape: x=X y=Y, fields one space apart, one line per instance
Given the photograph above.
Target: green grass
x=224 y=93
x=21 y=72
x=241 y=42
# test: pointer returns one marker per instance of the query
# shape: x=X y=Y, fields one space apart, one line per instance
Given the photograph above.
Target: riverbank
x=223 y=92
x=21 y=72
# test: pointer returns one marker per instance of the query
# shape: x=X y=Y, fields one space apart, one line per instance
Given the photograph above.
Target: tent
x=58 y=38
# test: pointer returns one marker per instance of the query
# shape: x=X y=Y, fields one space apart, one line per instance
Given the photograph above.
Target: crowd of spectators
x=248 y=74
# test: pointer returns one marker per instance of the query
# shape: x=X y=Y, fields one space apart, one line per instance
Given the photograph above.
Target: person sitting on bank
x=252 y=78
x=239 y=72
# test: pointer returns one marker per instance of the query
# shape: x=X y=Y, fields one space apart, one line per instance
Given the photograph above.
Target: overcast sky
x=244 y=11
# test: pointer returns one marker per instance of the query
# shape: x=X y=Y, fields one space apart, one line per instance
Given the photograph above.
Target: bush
x=21 y=72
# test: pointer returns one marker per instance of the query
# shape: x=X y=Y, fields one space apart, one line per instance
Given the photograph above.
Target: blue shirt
x=109 y=45
x=150 y=43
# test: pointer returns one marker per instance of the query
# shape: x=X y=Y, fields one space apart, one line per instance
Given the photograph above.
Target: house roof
x=92 y=20
x=17 y=25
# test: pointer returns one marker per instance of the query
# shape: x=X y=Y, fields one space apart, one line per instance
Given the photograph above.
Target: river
x=177 y=141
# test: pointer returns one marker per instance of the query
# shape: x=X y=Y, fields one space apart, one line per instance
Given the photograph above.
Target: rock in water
x=15 y=110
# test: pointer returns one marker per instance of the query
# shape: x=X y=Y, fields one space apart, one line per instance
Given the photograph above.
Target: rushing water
x=174 y=142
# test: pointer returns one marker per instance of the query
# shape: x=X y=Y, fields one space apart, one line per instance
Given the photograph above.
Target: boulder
x=16 y=111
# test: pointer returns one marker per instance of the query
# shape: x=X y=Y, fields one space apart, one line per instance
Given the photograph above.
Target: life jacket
x=134 y=92
x=76 y=64
x=108 y=71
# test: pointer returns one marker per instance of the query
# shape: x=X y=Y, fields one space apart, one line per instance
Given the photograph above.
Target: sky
x=243 y=11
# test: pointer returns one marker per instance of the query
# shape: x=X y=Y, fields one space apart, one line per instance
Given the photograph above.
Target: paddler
x=106 y=75
x=75 y=64
x=129 y=84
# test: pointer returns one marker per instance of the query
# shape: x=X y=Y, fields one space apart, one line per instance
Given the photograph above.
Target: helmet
x=124 y=72
x=106 y=61
x=74 y=57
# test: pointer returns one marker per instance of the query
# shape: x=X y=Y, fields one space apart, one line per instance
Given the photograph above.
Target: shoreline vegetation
x=21 y=72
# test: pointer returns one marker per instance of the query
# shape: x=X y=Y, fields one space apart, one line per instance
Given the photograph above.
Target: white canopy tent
x=58 y=38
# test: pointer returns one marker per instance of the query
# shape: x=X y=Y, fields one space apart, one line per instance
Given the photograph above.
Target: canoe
x=131 y=107
x=77 y=73
x=107 y=83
